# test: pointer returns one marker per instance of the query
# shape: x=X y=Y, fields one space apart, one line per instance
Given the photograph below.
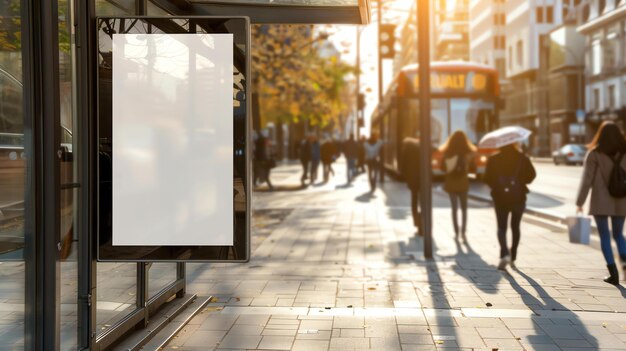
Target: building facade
x=487 y=33
x=451 y=34
x=528 y=23
x=603 y=23
x=566 y=52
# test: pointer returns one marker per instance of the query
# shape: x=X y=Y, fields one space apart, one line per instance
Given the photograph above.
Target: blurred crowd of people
x=358 y=154
x=508 y=173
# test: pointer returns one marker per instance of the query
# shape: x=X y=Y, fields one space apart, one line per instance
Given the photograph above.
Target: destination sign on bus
x=452 y=82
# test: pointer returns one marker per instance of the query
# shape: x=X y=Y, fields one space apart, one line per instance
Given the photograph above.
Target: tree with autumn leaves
x=294 y=80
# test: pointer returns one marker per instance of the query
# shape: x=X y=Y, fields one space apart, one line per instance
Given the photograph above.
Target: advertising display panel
x=173 y=139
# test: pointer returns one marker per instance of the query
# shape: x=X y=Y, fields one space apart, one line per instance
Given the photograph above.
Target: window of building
x=596 y=99
x=500 y=66
x=601 y=5
x=549 y=14
x=539 y=11
x=596 y=57
x=565 y=12
x=502 y=41
x=611 y=49
x=612 y=97
x=520 y=53
x=510 y=59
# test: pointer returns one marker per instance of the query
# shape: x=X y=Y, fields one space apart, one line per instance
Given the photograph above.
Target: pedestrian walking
x=458 y=154
x=328 y=153
x=605 y=161
x=351 y=153
x=263 y=160
x=316 y=157
x=410 y=170
x=372 y=159
x=361 y=155
x=508 y=173
x=304 y=153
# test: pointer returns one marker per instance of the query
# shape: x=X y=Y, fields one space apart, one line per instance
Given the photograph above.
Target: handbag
x=579 y=228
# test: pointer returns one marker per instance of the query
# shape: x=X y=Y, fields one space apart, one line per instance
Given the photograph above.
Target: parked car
x=570 y=154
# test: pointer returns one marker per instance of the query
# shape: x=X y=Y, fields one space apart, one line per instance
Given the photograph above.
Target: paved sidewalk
x=335 y=268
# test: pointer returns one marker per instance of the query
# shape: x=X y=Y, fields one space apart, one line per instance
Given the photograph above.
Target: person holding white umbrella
x=508 y=173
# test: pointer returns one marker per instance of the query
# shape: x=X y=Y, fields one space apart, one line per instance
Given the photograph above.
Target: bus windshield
x=473 y=116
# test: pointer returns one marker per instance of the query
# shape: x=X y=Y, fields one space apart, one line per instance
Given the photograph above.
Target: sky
x=344 y=38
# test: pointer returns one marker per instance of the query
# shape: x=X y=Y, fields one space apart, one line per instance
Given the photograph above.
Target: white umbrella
x=504 y=136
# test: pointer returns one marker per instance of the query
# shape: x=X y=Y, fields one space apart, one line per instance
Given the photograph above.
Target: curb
x=541 y=159
x=543 y=219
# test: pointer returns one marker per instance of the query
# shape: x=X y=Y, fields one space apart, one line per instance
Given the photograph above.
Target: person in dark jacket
x=328 y=153
x=361 y=155
x=409 y=167
x=305 y=158
x=263 y=161
x=604 y=150
x=508 y=173
x=316 y=156
x=351 y=153
x=458 y=154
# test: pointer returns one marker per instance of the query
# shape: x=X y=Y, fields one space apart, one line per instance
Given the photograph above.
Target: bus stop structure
x=40 y=52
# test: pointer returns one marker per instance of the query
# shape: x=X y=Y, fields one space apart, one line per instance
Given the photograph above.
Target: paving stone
x=336 y=248
x=310 y=345
x=349 y=343
x=317 y=324
x=421 y=339
x=276 y=343
x=241 y=329
x=494 y=333
x=207 y=339
x=240 y=342
x=561 y=332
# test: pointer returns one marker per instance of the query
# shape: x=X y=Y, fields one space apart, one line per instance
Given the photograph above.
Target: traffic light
x=361 y=102
x=387 y=40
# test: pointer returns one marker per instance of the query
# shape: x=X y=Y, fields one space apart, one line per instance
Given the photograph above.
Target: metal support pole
x=379 y=7
x=423 y=51
x=358 y=82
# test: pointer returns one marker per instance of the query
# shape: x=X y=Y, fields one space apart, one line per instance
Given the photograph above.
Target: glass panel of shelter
x=14 y=187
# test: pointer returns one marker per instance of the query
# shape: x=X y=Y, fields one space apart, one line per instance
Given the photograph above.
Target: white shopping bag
x=579 y=228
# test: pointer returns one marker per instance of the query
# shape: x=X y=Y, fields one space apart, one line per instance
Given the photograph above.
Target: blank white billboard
x=172 y=139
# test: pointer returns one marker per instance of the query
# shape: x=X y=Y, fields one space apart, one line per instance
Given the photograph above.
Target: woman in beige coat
x=607 y=147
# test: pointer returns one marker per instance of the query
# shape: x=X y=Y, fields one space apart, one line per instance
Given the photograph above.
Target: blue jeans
x=617 y=226
x=351 y=169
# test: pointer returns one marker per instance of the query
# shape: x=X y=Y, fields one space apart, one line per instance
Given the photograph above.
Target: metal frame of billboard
x=240 y=251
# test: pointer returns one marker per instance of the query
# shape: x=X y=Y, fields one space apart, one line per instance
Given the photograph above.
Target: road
x=553 y=191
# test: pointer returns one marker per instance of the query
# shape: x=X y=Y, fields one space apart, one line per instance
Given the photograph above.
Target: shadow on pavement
x=276 y=188
x=471 y=266
x=365 y=197
x=548 y=303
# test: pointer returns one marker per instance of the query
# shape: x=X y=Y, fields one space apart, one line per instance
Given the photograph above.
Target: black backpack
x=509 y=190
x=617 y=180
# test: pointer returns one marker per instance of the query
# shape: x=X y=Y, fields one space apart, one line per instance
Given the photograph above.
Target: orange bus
x=464 y=96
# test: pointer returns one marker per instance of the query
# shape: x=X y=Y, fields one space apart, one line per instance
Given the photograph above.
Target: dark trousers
x=502 y=215
x=262 y=173
x=415 y=209
x=305 y=170
x=372 y=173
x=314 y=166
x=617 y=226
x=457 y=199
x=327 y=169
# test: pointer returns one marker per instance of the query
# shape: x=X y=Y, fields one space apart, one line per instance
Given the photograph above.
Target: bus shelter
x=60 y=297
